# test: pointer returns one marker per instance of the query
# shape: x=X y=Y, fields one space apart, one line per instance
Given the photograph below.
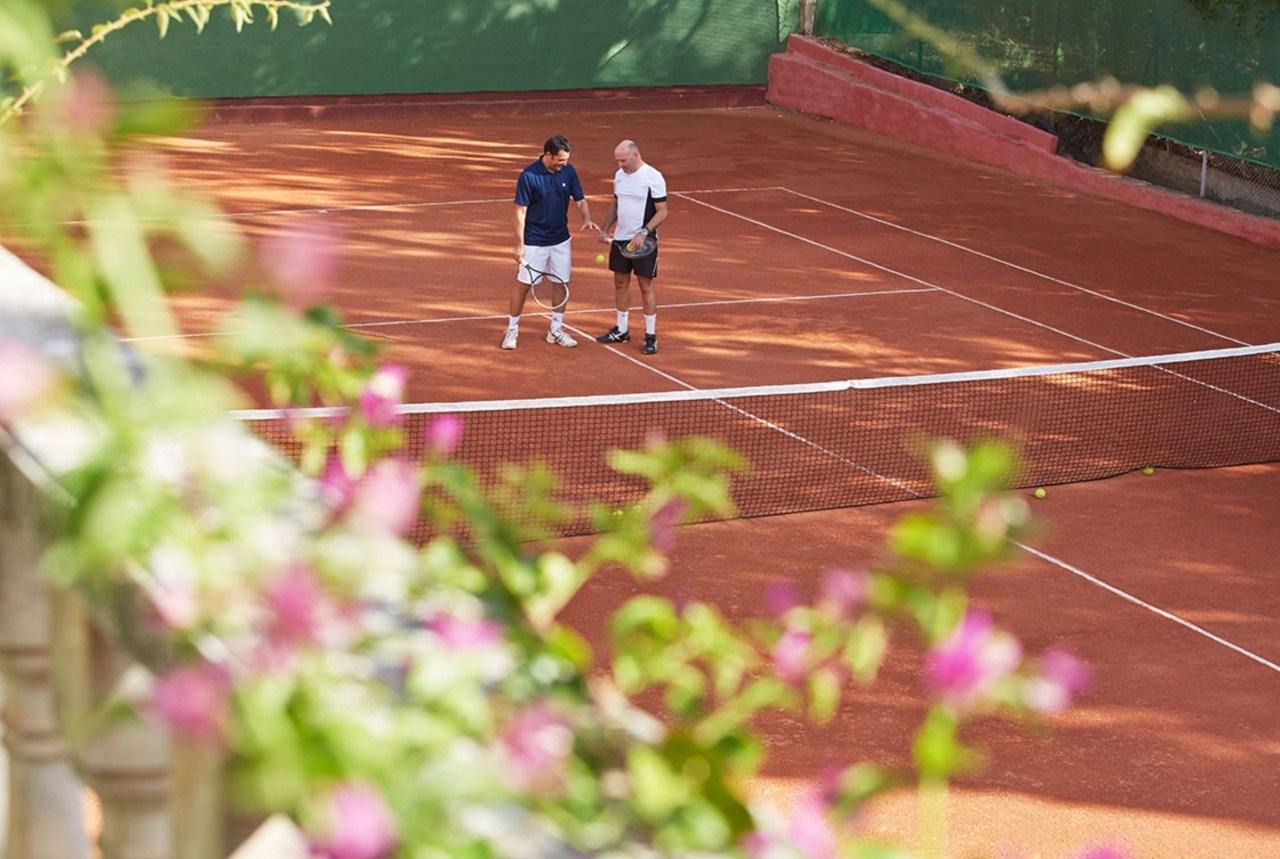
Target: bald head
x=627 y=154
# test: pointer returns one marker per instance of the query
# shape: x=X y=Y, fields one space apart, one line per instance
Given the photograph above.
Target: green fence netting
x=434 y=46
x=1225 y=44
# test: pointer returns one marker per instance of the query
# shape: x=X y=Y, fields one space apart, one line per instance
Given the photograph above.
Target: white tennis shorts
x=553 y=259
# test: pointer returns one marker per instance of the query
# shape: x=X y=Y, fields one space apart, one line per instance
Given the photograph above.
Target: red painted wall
x=812 y=78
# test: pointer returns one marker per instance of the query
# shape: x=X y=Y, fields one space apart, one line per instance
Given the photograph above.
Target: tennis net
x=850 y=443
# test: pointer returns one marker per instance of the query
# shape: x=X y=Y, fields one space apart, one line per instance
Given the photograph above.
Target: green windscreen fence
x=441 y=46
x=1226 y=44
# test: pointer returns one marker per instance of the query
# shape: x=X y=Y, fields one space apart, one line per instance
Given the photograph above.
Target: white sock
x=557 y=322
x=513 y=321
x=623 y=315
x=651 y=324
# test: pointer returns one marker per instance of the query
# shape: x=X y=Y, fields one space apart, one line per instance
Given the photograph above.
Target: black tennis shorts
x=646 y=267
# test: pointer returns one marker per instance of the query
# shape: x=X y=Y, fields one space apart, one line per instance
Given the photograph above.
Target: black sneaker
x=613 y=335
x=650 y=344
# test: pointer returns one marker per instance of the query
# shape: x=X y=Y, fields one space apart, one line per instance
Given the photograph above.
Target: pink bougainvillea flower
x=25 y=378
x=538 y=742
x=459 y=634
x=662 y=526
x=382 y=396
x=808 y=834
x=1103 y=852
x=964 y=667
x=358 y=825
x=444 y=434
x=781 y=597
x=1061 y=677
x=88 y=105
x=810 y=828
x=791 y=655
x=296 y=602
x=844 y=591
x=387 y=498
x=337 y=489
x=194 y=700
x=303 y=260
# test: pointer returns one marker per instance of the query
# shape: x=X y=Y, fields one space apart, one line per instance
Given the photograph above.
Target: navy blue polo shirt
x=547 y=195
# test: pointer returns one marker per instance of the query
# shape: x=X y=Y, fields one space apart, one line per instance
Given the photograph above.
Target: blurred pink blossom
x=809 y=833
x=538 y=742
x=1103 y=852
x=24 y=379
x=843 y=591
x=810 y=828
x=194 y=700
x=175 y=602
x=1061 y=677
x=662 y=525
x=295 y=600
x=458 y=634
x=387 y=498
x=971 y=660
x=303 y=260
x=88 y=106
x=791 y=655
x=337 y=489
x=382 y=395
x=444 y=433
x=359 y=825
x=781 y=597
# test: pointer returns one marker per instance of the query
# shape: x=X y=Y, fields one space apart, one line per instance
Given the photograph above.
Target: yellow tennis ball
x=1148 y=470
x=600 y=258
x=1040 y=493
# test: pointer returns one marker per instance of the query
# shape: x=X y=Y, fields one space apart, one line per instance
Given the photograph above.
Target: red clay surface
x=437 y=247
x=1177 y=750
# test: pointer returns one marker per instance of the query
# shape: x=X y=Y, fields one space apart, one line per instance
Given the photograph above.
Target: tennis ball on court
x=1148 y=470
x=600 y=258
x=1040 y=493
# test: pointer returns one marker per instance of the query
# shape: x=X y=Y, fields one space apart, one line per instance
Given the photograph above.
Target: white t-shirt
x=636 y=193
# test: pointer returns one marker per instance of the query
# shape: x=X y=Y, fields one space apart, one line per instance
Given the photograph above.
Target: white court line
x=1125 y=595
x=1016 y=266
x=905 y=276
x=754 y=417
x=384 y=207
x=490 y=317
x=971 y=300
x=1094 y=580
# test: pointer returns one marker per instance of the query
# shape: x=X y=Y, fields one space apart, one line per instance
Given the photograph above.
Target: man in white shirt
x=639 y=206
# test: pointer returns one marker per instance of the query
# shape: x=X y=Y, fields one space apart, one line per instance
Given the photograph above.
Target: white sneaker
x=509 y=339
x=560 y=338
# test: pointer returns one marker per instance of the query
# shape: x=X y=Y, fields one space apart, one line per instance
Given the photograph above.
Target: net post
x=808 y=10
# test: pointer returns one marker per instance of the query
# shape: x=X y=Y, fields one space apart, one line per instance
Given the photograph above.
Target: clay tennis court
x=801 y=251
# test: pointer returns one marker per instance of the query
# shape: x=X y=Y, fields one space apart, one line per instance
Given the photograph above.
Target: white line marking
x=390 y=207
x=964 y=297
x=754 y=417
x=906 y=276
x=490 y=317
x=1124 y=595
x=1016 y=266
x=1029 y=549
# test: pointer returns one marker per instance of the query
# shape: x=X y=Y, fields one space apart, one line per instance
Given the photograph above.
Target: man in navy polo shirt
x=542 y=232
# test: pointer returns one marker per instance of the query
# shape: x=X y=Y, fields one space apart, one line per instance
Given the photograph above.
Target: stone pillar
x=45 y=817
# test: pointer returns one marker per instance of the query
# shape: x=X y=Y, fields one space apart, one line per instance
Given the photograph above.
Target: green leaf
x=162 y=24
x=1136 y=118
x=865 y=649
x=658 y=790
x=824 y=695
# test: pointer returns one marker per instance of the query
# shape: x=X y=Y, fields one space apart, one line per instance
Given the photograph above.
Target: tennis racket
x=641 y=245
x=547 y=289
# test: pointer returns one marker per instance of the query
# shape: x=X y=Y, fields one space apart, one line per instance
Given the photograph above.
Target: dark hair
x=556 y=145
